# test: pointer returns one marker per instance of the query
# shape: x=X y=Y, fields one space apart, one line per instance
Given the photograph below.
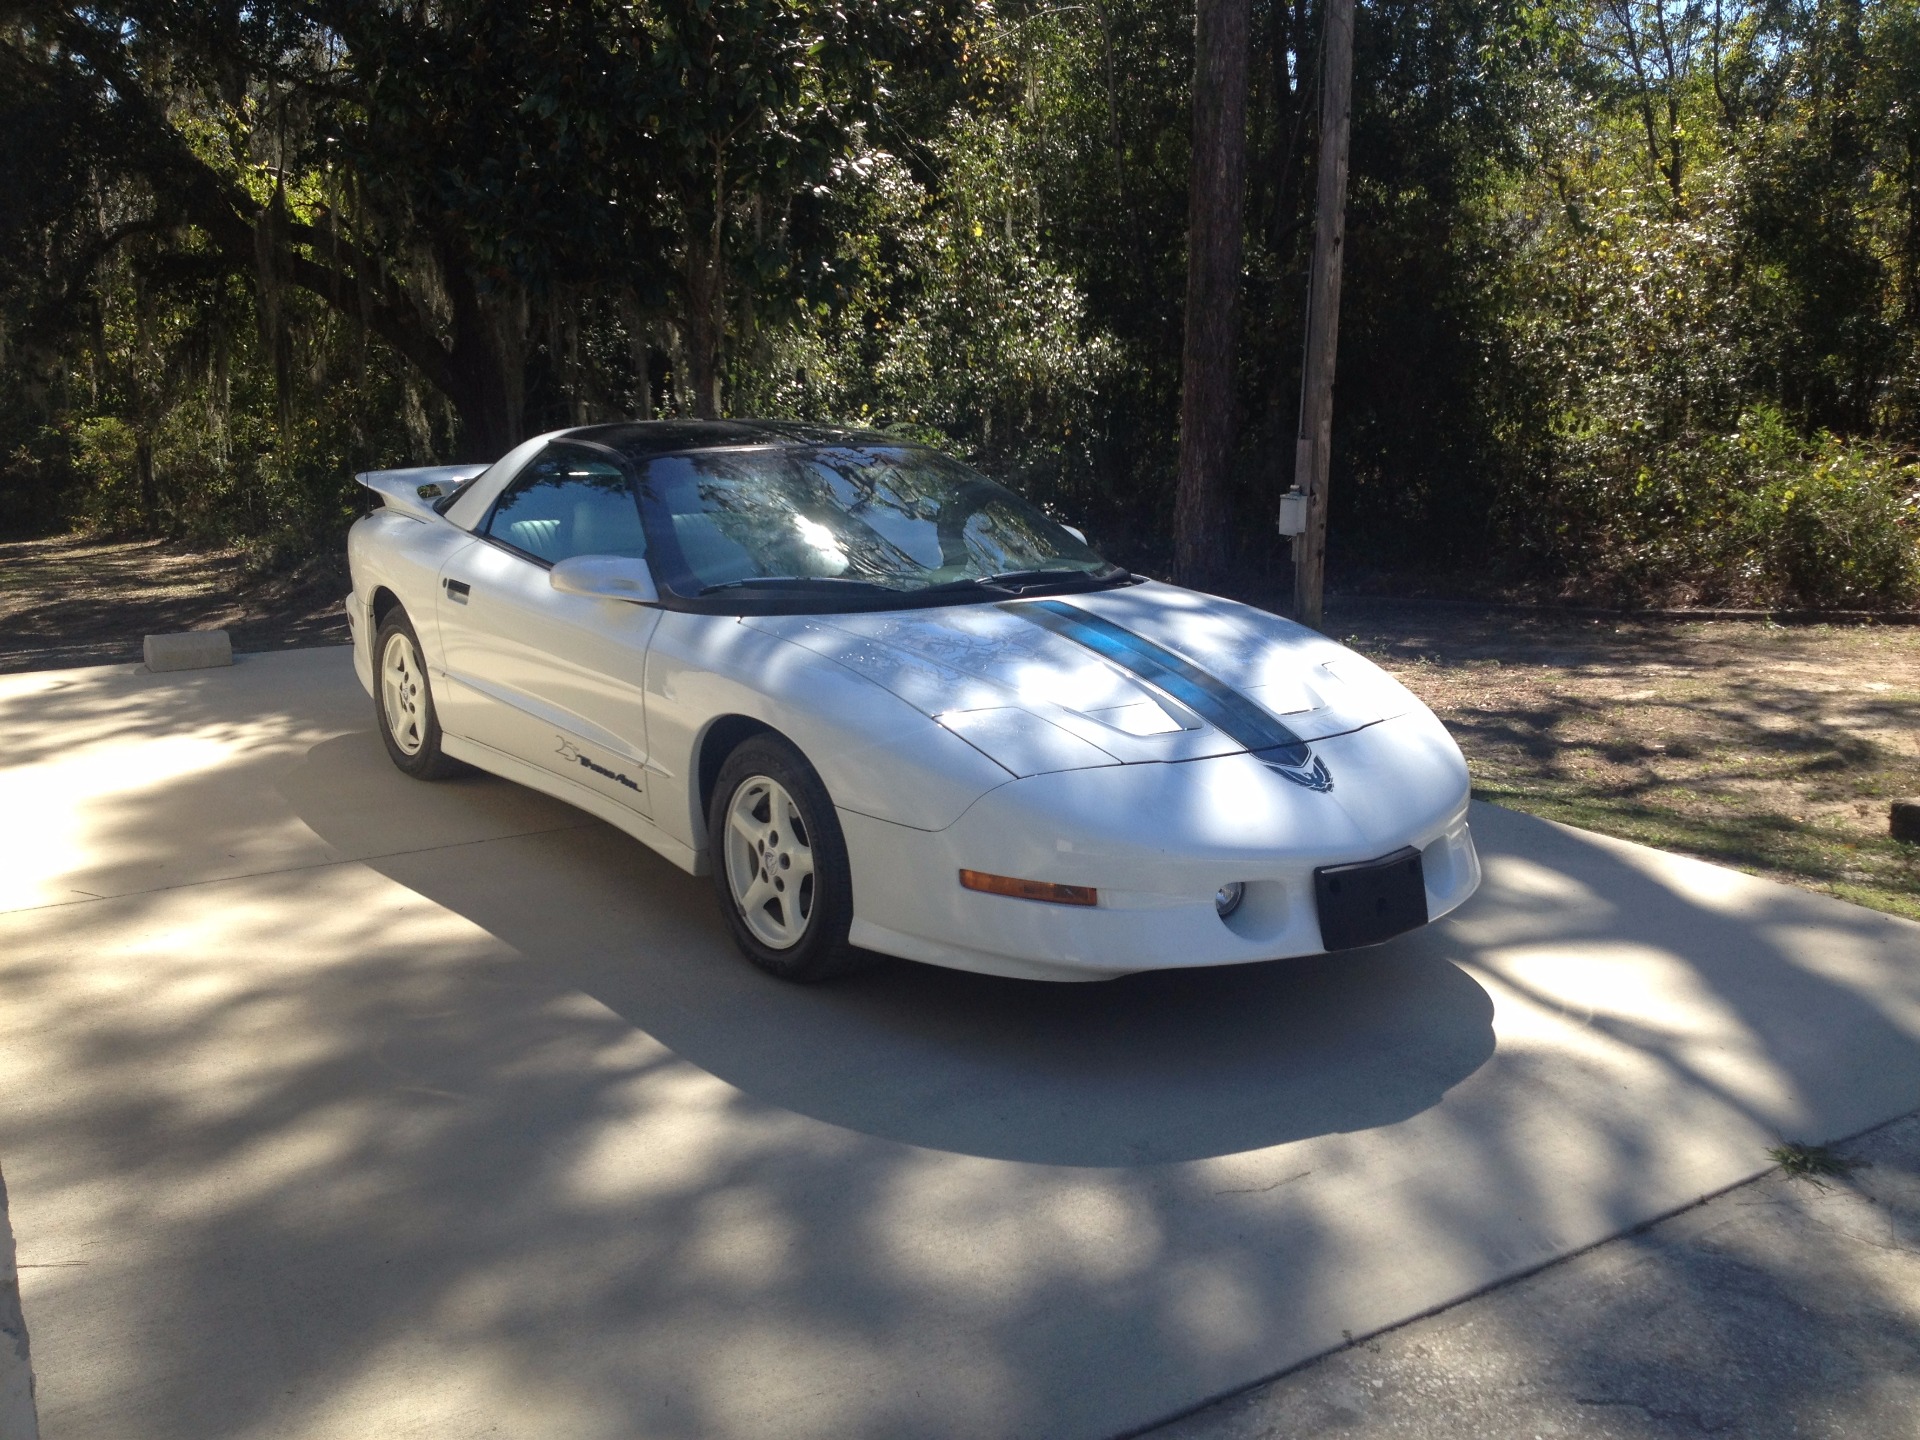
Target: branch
x=230 y=217
x=74 y=274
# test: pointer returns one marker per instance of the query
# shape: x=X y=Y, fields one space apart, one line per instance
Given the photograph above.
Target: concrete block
x=190 y=650
x=1903 y=820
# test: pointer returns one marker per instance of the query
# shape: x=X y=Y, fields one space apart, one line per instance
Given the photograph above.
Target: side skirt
x=507 y=767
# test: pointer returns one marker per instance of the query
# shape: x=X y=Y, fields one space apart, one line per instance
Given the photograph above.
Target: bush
x=107 y=465
x=1842 y=529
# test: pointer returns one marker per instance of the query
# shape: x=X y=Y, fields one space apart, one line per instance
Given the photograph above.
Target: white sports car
x=890 y=706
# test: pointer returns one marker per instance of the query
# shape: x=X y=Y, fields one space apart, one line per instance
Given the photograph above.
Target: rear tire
x=403 y=702
x=780 y=862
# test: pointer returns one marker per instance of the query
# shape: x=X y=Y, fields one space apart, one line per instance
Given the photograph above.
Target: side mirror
x=1076 y=532
x=606 y=577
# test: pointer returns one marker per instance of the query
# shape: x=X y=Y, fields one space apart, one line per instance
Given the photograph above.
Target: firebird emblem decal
x=1312 y=772
x=567 y=751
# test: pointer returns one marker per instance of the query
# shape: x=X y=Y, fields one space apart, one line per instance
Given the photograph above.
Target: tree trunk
x=706 y=289
x=1910 y=257
x=704 y=321
x=481 y=399
x=1216 y=197
x=149 y=489
x=640 y=356
x=486 y=371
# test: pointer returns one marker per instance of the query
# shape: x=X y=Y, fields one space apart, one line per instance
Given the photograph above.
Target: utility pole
x=1304 y=513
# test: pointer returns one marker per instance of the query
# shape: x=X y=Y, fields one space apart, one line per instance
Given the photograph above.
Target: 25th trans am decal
x=568 y=751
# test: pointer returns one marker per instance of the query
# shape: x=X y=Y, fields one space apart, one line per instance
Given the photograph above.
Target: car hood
x=1083 y=680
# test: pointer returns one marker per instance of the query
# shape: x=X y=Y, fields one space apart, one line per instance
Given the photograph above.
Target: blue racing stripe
x=1214 y=701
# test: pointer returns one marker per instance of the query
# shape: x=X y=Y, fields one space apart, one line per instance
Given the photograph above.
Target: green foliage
x=1631 y=309
x=1700 y=294
x=950 y=325
x=107 y=464
x=1842 y=529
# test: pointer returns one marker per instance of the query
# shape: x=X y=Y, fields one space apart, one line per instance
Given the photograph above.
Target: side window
x=569 y=502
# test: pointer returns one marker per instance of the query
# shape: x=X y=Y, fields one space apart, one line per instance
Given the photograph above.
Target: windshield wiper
x=794 y=582
x=1018 y=580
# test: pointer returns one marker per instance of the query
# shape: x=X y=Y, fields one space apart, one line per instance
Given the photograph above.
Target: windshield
x=849 y=519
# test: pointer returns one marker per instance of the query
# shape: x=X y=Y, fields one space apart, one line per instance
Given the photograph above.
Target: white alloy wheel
x=769 y=862
x=401 y=690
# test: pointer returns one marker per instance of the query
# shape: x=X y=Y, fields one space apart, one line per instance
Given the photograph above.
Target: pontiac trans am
x=889 y=705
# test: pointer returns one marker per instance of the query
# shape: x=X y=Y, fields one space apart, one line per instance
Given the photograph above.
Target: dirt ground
x=1772 y=748
x=75 y=600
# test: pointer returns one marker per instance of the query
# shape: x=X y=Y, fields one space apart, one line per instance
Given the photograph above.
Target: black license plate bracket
x=1371 y=901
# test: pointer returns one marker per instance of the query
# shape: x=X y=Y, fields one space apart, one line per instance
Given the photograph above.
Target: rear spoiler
x=414 y=492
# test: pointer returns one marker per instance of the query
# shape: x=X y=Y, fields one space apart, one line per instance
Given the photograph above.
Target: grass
x=1880 y=873
x=1809 y=1162
x=1772 y=750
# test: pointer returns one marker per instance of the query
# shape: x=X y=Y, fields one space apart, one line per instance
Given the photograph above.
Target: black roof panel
x=644 y=439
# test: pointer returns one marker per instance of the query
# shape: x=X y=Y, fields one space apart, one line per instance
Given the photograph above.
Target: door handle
x=457 y=589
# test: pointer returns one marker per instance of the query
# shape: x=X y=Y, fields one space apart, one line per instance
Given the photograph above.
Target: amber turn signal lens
x=1029 y=889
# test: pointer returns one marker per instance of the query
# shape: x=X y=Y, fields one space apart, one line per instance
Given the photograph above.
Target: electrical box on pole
x=1305 y=507
x=1293 y=513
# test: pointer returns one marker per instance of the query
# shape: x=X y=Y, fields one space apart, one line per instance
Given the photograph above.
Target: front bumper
x=1157 y=841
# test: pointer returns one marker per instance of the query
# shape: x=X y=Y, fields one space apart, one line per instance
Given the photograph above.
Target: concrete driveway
x=333 y=1104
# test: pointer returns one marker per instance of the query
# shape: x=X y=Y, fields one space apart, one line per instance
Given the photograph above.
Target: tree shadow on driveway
x=500 y=1135
x=1166 y=1066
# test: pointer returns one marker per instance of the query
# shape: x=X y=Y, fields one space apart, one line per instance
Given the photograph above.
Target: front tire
x=780 y=862
x=403 y=701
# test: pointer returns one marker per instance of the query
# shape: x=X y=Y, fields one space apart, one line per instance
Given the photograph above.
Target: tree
x=1215 y=239
x=464 y=181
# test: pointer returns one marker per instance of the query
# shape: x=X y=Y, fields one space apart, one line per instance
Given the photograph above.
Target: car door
x=552 y=679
